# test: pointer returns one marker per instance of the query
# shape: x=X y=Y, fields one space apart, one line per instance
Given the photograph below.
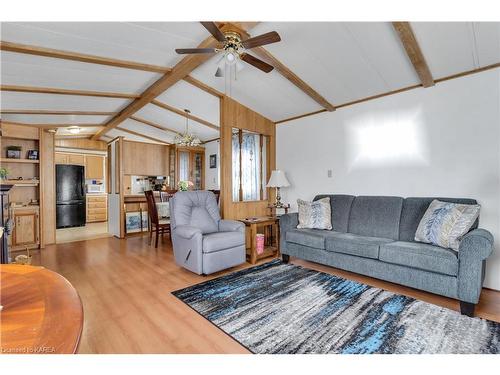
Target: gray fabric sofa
x=202 y=242
x=374 y=236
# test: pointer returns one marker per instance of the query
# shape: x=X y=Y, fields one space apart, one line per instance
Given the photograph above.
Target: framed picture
x=132 y=222
x=14 y=152
x=213 y=161
x=33 y=154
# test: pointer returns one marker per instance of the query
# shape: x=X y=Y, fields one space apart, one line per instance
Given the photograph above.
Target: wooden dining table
x=41 y=312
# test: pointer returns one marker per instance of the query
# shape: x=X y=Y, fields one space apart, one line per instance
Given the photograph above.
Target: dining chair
x=156 y=225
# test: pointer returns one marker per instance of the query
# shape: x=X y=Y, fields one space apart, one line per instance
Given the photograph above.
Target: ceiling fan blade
x=184 y=51
x=261 y=40
x=259 y=64
x=214 y=30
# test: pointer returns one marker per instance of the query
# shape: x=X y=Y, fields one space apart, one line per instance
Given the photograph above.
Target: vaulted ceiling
x=340 y=62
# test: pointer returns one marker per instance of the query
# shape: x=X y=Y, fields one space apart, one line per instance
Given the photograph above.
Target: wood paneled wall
x=84 y=143
x=47 y=189
x=145 y=159
x=235 y=115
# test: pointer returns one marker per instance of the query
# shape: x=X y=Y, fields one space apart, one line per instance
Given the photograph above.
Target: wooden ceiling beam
x=153 y=124
x=410 y=44
x=183 y=114
x=180 y=71
x=51 y=112
x=81 y=57
x=284 y=70
x=57 y=91
x=139 y=135
x=92 y=59
x=203 y=86
x=51 y=126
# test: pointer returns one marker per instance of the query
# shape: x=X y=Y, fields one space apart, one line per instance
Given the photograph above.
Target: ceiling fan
x=234 y=48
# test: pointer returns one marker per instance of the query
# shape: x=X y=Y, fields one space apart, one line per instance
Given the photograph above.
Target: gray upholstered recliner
x=203 y=243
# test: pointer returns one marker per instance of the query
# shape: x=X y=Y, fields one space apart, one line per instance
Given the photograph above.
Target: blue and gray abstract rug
x=283 y=308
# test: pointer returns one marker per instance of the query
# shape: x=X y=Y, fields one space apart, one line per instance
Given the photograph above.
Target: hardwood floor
x=125 y=288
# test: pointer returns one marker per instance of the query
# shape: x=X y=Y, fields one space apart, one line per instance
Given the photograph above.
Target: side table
x=267 y=225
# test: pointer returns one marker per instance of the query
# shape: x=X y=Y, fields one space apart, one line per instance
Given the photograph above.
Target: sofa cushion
x=307 y=237
x=341 y=208
x=354 y=244
x=413 y=211
x=376 y=216
x=444 y=224
x=315 y=215
x=222 y=240
x=419 y=255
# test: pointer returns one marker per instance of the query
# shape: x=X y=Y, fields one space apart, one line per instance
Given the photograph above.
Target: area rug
x=283 y=308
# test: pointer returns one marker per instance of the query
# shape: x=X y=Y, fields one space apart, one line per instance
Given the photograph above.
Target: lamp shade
x=278 y=179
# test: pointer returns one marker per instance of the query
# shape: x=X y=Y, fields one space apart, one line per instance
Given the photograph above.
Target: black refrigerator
x=70 y=196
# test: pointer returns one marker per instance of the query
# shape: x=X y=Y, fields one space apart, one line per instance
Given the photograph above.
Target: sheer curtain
x=236 y=168
x=250 y=166
x=251 y=174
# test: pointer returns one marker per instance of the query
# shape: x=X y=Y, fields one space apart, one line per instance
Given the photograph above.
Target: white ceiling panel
x=147 y=42
x=55 y=119
x=487 y=38
x=173 y=121
x=382 y=49
x=28 y=70
x=201 y=104
x=147 y=130
x=448 y=47
x=268 y=94
x=22 y=100
x=328 y=57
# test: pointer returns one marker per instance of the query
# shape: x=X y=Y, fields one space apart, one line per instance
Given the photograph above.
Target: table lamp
x=278 y=180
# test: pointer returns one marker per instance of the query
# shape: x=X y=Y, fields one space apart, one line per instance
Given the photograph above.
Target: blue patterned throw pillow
x=444 y=224
x=315 y=215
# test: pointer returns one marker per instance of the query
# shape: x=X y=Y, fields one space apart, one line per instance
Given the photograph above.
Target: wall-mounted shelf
x=26 y=161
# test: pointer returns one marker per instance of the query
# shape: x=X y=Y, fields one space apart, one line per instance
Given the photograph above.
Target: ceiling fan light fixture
x=219 y=72
x=231 y=57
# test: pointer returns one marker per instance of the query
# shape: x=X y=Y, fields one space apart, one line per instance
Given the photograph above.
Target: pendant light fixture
x=187 y=139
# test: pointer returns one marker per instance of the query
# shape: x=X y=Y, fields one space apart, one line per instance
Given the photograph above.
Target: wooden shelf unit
x=21 y=182
x=29 y=230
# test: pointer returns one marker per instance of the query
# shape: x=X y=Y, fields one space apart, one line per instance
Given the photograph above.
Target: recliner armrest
x=478 y=244
x=231 y=226
x=186 y=231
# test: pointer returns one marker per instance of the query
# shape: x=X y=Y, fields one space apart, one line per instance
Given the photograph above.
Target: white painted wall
x=212 y=175
x=439 y=141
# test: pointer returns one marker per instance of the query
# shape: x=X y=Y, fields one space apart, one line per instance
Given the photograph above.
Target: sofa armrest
x=478 y=244
x=186 y=231
x=475 y=247
x=231 y=226
x=287 y=222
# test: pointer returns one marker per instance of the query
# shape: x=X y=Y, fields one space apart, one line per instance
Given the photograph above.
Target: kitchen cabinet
x=74 y=159
x=26 y=223
x=94 y=167
x=145 y=159
x=97 y=208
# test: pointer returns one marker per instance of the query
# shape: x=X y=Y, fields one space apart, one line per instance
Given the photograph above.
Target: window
x=249 y=165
